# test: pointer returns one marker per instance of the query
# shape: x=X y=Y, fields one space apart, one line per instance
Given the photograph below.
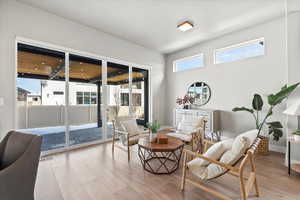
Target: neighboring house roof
x=21 y=90
x=22 y=94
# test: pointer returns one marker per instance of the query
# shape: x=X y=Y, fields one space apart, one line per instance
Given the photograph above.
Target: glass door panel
x=41 y=94
x=85 y=87
x=117 y=93
x=140 y=95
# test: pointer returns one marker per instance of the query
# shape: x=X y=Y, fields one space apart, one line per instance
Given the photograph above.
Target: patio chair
x=222 y=158
x=128 y=132
x=19 y=159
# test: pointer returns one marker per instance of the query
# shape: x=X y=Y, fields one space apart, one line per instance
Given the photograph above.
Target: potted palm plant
x=274 y=127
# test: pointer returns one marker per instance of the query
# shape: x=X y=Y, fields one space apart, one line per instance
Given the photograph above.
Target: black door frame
x=146 y=94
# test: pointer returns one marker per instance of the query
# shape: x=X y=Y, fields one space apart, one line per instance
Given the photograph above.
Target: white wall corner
x=277 y=148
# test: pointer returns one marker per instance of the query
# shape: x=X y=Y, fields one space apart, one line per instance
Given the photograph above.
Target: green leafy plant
x=296 y=132
x=275 y=128
x=154 y=126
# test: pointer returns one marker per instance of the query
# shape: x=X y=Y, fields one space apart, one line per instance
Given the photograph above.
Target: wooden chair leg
x=113 y=138
x=242 y=180
x=183 y=172
x=128 y=148
x=192 y=144
x=256 y=187
x=205 y=147
x=128 y=152
x=113 y=144
x=246 y=186
x=242 y=188
x=254 y=172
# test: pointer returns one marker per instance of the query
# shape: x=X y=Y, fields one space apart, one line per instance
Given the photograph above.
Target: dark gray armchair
x=19 y=160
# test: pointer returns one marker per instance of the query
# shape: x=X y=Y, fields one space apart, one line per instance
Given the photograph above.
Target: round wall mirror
x=201 y=93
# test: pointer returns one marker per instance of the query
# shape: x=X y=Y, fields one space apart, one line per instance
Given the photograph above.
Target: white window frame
x=239 y=45
x=188 y=58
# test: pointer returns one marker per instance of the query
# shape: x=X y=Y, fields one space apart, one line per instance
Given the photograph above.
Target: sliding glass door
x=71 y=99
x=84 y=110
x=117 y=93
x=41 y=94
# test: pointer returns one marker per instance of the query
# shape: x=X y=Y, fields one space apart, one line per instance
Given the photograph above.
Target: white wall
x=47 y=92
x=17 y=19
x=294 y=68
x=233 y=84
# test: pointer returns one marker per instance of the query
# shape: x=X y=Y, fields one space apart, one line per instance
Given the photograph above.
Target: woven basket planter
x=263 y=147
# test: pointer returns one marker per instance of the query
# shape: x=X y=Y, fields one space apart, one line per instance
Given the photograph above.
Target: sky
x=238 y=53
x=190 y=63
x=31 y=85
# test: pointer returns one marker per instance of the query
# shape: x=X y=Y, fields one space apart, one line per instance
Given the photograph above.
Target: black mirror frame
x=209 y=97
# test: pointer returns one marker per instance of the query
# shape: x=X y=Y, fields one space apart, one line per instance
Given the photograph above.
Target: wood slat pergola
x=38 y=66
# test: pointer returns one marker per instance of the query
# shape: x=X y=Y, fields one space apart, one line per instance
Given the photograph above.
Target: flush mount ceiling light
x=185 y=26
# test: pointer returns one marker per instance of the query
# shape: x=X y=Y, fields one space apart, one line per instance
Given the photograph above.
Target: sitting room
x=152 y=100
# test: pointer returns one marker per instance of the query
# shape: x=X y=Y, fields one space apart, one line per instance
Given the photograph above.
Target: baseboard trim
x=292 y=162
x=276 y=148
x=283 y=149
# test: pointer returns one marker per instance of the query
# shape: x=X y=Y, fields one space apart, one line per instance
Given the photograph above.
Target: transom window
x=240 y=51
x=192 y=62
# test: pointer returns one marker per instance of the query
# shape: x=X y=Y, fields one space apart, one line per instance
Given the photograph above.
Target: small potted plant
x=154 y=126
x=297 y=135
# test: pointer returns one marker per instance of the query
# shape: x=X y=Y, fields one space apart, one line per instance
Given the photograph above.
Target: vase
x=180 y=106
x=152 y=136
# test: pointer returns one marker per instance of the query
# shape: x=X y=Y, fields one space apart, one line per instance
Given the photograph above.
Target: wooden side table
x=295 y=167
x=160 y=158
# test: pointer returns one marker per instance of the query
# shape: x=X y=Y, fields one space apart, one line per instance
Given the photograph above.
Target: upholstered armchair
x=19 y=159
x=229 y=157
x=192 y=134
x=128 y=132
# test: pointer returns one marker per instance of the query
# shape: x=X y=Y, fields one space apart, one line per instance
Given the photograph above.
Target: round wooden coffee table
x=160 y=158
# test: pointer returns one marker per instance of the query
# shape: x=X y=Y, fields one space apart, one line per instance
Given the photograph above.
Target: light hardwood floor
x=94 y=174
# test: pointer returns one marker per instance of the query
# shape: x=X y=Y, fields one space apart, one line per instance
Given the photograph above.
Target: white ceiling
x=152 y=23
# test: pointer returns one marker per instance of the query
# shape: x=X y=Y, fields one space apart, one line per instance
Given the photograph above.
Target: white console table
x=190 y=115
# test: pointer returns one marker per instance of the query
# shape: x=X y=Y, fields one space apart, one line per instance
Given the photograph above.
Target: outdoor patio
x=54 y=137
